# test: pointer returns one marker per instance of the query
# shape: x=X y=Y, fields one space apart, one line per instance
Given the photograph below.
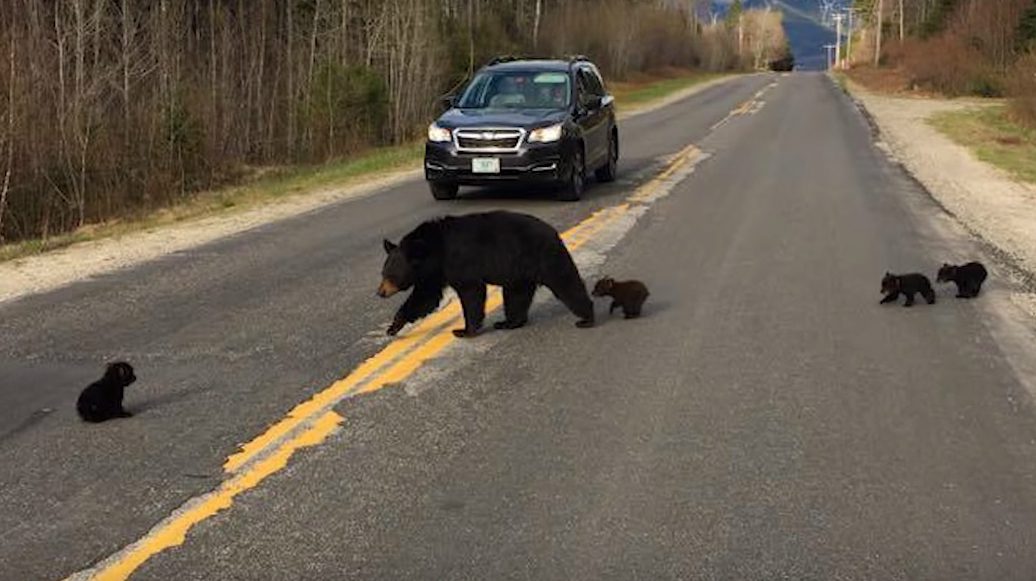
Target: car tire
x=572 y=189
x=608 y=171
x=443 y=191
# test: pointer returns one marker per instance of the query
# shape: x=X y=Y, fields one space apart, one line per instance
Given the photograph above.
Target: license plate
x=485 y=165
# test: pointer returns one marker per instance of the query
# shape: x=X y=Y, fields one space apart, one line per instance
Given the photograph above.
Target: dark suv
x=523 y=121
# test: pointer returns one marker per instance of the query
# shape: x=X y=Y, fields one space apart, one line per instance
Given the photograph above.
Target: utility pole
x=849 y=40
x=740 y=32
x=838 y=41
x=877 y=33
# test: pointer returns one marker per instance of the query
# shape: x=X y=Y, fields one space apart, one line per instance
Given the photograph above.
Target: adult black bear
x=515 y=251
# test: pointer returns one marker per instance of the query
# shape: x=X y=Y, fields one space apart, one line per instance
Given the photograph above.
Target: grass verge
x=994 y=137
x=646 y=88
x=638 y=92
x=275 y=184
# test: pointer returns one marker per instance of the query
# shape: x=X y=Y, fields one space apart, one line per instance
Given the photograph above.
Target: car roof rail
x=573 y=58
x=506 y=58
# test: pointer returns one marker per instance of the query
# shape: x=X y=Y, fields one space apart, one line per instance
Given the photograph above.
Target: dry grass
x=994 y=137
x=889 y=81
x=643 y=88
x=267 y=185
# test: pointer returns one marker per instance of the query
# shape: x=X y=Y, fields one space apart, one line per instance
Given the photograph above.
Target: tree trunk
x=901 y=18
x=536 y=25
x=877 y=33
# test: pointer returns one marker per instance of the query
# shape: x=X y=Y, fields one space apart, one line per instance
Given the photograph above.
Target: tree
x=734 y=14
x=1026 y=35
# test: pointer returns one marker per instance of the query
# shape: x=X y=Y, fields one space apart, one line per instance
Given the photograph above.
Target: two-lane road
x=764 y=419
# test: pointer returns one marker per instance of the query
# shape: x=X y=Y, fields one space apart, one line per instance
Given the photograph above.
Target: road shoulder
x=984 y=199
x=57 y=268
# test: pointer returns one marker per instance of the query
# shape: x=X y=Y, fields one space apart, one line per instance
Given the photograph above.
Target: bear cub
x=628 y=294
x=892 y=285
x=102 y=399
x=968 y=277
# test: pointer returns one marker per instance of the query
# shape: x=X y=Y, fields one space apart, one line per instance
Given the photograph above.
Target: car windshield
x=517 y=90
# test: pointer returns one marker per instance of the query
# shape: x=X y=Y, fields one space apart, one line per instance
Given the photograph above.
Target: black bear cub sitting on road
x=628 y=294
x=969 y=278
x=515 y=251
x=892 y=285
x=102 y=399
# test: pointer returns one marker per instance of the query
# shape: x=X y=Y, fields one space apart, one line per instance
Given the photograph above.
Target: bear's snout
x=387 y=288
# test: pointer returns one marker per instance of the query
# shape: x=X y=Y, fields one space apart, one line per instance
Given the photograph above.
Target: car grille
x=489 y=139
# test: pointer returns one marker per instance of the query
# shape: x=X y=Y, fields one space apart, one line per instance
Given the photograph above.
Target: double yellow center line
x=312 y=421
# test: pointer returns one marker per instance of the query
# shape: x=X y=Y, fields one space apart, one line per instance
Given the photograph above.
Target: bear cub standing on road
x=628 y=294
x=892 y=285
x=515 y=251
x=102 y=399
x=969 y=278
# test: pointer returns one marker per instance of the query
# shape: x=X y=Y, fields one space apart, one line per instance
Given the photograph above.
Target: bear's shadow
x=137 y=407
x=648 y=311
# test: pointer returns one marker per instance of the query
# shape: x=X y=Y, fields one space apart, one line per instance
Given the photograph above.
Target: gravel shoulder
x=987 y=201
x=54 y=269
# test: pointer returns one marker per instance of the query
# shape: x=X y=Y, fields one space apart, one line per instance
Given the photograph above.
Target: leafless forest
x=115 y=107
x=958 y=47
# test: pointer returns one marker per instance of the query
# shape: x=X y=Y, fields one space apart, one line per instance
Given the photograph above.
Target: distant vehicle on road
x=549 y=122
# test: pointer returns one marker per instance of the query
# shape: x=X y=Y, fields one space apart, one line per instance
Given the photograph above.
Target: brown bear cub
x=102 y=399
x=969 y=278
x=628 y=294
x=892 y=285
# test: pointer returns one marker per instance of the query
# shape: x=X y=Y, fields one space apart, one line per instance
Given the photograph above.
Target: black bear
x=892 y=285
x=515 y=251
x=968 y=277
x=627 y=294
x=102 y=399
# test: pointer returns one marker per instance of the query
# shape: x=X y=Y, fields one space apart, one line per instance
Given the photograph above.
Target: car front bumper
x=543 y=163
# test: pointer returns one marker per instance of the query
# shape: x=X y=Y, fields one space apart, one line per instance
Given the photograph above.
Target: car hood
x=526 y=118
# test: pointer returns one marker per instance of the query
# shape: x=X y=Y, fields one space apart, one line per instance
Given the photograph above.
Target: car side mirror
x=594 y=103
x=449 y=101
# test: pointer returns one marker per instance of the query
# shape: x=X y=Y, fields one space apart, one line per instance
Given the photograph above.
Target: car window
x=517 y=90
x=596 y=83
x=585 y=87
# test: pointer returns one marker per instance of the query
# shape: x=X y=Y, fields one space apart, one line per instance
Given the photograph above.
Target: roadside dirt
x=57 y=268
x=986 y=200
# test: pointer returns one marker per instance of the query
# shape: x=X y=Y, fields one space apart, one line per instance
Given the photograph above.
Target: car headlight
x=546 y=134
x=437 y=134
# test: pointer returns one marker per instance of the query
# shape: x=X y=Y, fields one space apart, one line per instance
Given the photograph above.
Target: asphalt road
x=766 y=418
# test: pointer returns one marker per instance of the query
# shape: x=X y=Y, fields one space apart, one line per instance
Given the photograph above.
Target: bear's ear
x=389 y=247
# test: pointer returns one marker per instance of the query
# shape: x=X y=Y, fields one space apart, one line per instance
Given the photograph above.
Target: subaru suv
x=549 y=122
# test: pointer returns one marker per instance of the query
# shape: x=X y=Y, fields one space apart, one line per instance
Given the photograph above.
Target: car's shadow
x=628 y=176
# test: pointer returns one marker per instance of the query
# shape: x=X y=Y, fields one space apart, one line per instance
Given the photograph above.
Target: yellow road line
x=174 y=532
x=323 y=399
x=271 y=450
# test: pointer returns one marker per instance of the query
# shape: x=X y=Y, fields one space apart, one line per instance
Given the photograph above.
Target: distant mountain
x=802 y=23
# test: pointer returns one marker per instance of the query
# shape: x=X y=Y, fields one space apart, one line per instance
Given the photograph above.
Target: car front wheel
x=572 y=189
x=608 y=171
